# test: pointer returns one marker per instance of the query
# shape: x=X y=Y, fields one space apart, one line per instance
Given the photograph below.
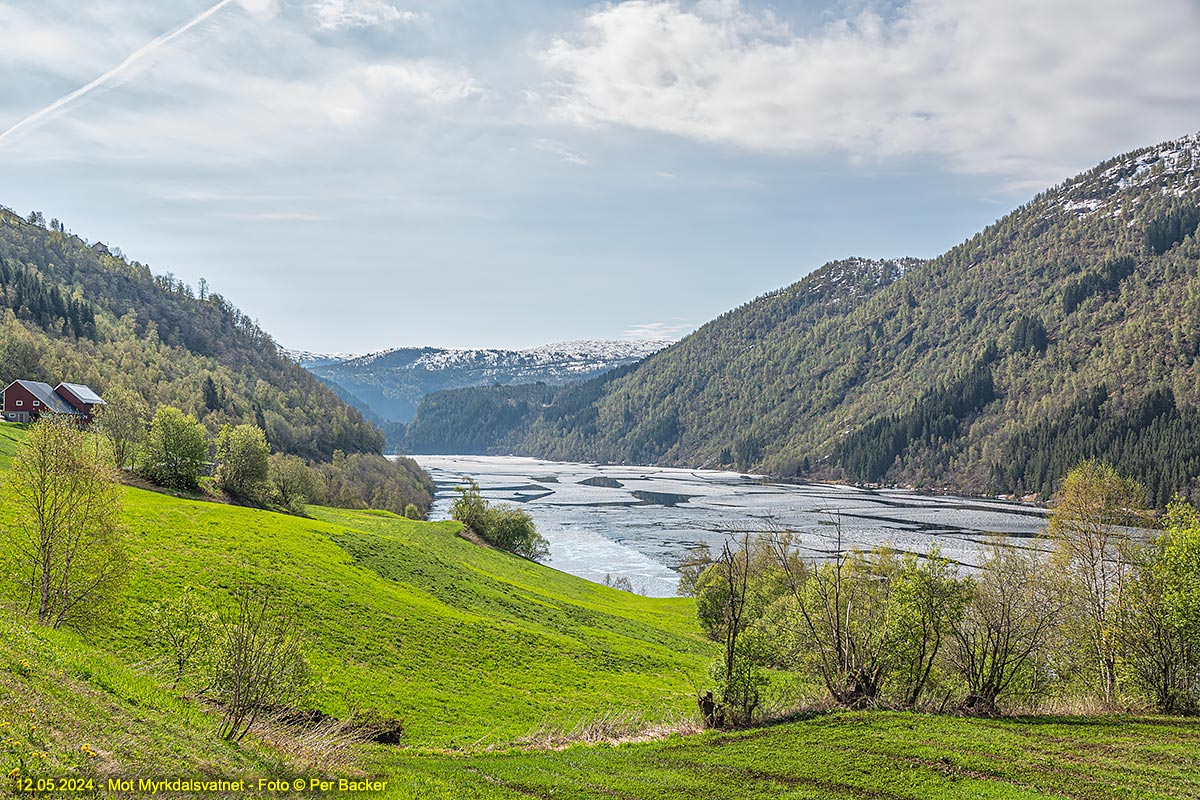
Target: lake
x=640 y=522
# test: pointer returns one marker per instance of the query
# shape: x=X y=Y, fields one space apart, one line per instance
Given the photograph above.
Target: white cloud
x=1027 y=88
x=658 y=330
x=561 y=151
x=335 y=15
x=424 y=80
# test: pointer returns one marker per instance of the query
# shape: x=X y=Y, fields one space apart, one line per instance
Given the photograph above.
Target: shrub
x=242 y=459
x=504 y=526
x=258 y=664
x=185 y=630
x=176 y=450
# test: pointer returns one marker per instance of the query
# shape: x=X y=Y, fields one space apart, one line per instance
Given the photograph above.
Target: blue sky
x=362 y=174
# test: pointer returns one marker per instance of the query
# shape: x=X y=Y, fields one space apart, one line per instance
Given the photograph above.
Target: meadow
x=873 y=754
x=482 y=655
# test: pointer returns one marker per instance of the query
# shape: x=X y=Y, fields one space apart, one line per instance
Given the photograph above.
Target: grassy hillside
x=69 y=709
x=475 y=649
x=1067 y=329
x=466 y=644
x=845 y=755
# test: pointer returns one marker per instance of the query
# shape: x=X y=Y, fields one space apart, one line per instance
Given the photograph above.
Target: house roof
x=84 y=393
x=45 y=393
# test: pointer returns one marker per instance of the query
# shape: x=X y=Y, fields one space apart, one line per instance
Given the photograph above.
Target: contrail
x=130 y=60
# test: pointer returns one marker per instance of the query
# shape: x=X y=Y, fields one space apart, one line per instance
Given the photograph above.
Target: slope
x=78 y=313
x=1067 y=329
x=464 y=643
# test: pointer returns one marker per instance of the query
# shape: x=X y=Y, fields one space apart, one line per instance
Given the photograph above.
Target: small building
x=81 y=398
x=26 y=401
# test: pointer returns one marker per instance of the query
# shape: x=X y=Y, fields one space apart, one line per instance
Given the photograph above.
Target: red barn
x=81 y=398
x=26 y=401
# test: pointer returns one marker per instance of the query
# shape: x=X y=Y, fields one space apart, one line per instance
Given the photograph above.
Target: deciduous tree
x=65 y=541
x=243 y=461
x=123 y=420
x=176 y=450
x=1006 y=627
x=1092 y=511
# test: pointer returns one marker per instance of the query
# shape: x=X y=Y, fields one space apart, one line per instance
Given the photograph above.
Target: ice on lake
x=640 y=522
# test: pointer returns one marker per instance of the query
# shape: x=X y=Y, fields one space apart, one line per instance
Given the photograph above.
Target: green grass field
x=843 y=755
x=469 y=646
x=475 y=649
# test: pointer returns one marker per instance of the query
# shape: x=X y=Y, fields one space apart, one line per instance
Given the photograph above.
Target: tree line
x=172 y=449
x=1104 y=613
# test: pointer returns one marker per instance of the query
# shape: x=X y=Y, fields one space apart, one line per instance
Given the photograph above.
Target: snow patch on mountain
x=392 y=382
x=1173 y=167
x=306 y=358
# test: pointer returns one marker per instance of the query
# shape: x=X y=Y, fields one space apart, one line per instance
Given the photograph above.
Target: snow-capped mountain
x=392 y=382
x=306 y=359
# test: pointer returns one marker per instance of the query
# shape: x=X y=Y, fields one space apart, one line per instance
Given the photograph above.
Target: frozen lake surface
x=640 y=522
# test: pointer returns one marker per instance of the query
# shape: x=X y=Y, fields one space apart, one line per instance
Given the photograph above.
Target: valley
x=676 y=567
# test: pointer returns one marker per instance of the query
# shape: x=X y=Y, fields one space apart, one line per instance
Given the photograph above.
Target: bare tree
x=1094 y=508
x=1008 y=623
x=65 y=540
x=185 y=629
x=259 y=664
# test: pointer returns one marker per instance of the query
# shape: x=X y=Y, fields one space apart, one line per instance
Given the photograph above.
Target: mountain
x=391 y=383
x=1070 y=328
x=78 y=312
x=306 y=359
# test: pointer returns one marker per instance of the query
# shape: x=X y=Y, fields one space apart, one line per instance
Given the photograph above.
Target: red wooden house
x=26 y=401
x=81 y=398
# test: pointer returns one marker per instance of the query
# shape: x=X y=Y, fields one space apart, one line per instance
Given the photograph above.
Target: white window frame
x=20 y=403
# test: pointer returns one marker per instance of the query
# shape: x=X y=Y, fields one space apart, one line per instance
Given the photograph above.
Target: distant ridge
x=1070 y=328
x=392 y=382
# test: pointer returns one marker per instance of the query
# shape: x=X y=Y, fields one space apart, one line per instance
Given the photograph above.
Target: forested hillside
x=78 y=313
x=1070 y=328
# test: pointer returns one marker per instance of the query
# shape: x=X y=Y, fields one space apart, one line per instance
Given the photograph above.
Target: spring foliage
x=65 y=544
x=502 y=525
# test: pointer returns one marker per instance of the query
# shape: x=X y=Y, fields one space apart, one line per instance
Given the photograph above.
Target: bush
x=176 y=450
x=504 y=526
x=242 y=458
x=185 y=630
x=292 y=482
x=258 y=665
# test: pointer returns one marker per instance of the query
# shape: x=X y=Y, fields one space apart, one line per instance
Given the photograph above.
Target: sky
x=365 y=174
